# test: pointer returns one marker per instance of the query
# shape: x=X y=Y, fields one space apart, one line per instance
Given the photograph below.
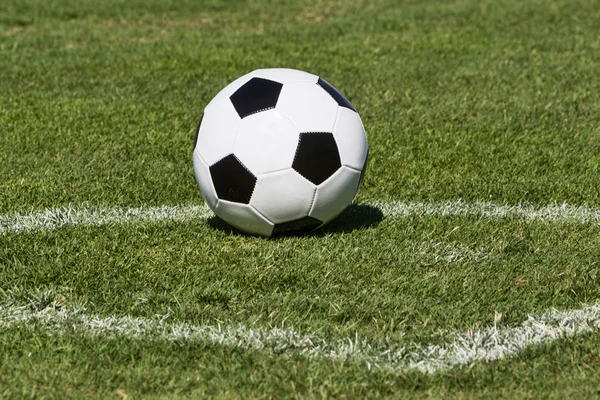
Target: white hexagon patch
x=335 y=194
x=266 y=142
x=351 y=139
x=283 y=196
x=244 y=217
x=217 y=132
x=308 y=106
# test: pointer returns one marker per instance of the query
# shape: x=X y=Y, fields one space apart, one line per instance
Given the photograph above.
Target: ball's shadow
x=354 y=217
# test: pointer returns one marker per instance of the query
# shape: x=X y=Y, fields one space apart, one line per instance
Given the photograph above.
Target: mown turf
x=71 y=365
x=424 y=277
x=479 y=100
x=476 y=100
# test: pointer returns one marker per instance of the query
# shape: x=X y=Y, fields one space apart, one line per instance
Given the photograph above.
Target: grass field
x=479 y=214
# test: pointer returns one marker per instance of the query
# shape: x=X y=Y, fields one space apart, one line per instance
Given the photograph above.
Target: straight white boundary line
x=486 y=210
x=56 y=218
x=461 y=348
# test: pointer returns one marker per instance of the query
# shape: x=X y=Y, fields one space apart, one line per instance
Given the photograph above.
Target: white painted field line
x=461 y=349
x=55 y=218
x=486 y=210
x=86 y=215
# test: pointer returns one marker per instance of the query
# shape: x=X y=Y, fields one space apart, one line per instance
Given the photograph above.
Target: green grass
x=474 y=100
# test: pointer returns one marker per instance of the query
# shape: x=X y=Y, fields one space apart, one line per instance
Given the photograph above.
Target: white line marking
x=486 y=210
x=462 y=348
x=51 y=219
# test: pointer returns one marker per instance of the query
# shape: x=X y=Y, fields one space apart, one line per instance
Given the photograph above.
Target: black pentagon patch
x=198 y=131
x=302 y=225
x=317 y=156
x=256 y=95
x=232 y=180
x=337 y=96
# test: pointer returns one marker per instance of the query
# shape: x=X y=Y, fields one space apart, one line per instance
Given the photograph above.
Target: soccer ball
x=279 y=150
